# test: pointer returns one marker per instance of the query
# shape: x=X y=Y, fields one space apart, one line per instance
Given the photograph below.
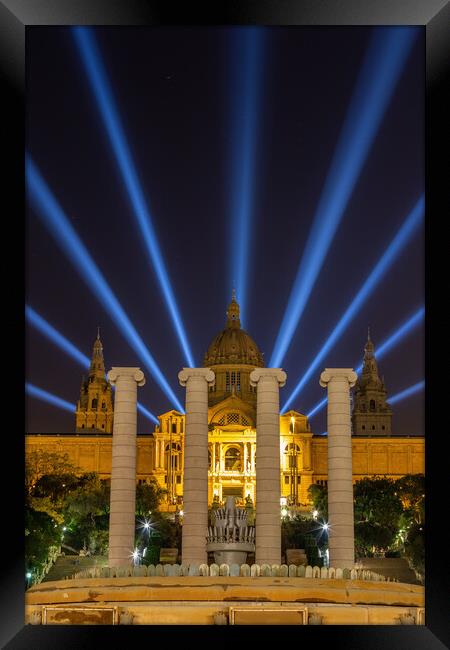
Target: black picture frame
x=15 y=17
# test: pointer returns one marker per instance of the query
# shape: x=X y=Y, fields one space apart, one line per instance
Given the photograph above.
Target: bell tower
x=95 y=410
x=371 y=415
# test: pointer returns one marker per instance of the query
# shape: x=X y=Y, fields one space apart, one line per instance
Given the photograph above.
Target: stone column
x=252 y=457
x=340 y=485
x=307 y=455
x=162 y=454
x=156 y=454
x=195 y=484
x=123 y=472
x=268 y=522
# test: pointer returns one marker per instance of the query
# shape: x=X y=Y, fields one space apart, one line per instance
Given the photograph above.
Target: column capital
x=130 y=373
x=276 y=373
x=206 y=373
x=338 y=373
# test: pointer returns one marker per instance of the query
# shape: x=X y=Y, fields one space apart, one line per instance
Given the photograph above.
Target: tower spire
x=97 y=368
x=95 y=407
x=233 y=312
x=371 y=412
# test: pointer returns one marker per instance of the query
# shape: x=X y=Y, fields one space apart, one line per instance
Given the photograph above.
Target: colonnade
x=195 y=484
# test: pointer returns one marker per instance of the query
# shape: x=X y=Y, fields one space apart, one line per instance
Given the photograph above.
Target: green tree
x=378 y=509
x=319 y=496
x=303 y=532
x=162 y=533
x=411 y=490
x=415 y=549
x=148 y=497
x=48 y=478
x=86 y=512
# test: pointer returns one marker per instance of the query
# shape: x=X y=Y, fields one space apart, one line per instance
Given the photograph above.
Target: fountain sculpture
x=230 y=537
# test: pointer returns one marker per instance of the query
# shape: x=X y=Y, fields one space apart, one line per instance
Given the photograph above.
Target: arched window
x=372 y=405
x=94 y=403
x=233 y=459
x=291 y=453
x=176 y=456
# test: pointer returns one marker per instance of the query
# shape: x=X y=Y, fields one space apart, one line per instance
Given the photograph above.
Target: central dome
x=233 y=345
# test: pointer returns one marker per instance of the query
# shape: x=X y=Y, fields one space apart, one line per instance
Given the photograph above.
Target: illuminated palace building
x=232 y=355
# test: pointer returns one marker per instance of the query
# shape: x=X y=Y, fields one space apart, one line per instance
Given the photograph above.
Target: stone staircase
x=67 y=565
x=390 y=567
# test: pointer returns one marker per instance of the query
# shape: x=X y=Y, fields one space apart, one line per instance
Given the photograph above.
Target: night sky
x=174 y=89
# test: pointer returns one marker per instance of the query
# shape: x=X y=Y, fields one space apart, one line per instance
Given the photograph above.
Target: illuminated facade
x=232 y=355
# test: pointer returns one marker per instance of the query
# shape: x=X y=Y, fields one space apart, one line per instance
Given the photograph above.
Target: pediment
x=232 y=404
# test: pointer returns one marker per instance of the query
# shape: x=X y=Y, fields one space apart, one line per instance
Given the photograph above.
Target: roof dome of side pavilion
x=233 y=345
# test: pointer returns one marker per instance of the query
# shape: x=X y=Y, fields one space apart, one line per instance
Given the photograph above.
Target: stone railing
x=233 y=570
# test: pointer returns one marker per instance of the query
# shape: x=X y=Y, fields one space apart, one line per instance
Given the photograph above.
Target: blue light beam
x=90 y=54
x=53 y=217
x=382 y=66
x=55 y=337
x=390 y=255
x=387 y=345
x=69 y=348
x=404 y=394
x=44 y=396
x=246 y=92
x=146 y=413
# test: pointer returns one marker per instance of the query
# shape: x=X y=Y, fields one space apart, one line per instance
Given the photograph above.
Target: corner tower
x=371 y=415
x=95 y=411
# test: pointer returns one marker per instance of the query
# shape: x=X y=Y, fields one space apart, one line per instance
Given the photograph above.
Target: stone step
x=390 y=567
x=66 y=565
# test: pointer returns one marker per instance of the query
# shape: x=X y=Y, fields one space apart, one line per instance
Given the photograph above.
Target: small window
x=174 y=427
x=103 y=426
x=94 y=403
x=178 y=479
x=286 y=479
x=93 y=426
x=363 y=427
x=372 y=405
x=383 y=427
x=373 y=427
x=82 y=426
x=103 y=405
x=298 y=480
